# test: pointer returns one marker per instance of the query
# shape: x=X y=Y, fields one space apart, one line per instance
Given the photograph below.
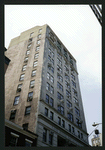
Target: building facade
x=42 y=89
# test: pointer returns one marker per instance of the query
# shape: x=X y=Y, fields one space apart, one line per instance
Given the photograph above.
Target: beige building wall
x=17 y=52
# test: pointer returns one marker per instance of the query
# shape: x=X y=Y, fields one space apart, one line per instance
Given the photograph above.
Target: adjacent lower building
x=42 y=89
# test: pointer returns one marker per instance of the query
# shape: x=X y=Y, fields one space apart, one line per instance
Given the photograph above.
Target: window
x=36 y=56
x=47 y=98
x=19 y=87
x=31 y=34
x=27 y=52
x=25 y=126
x=74 y=92
x=70 y=117
x=37 y=48
x=27 y=111
x=13 y=141
x=69 y=104
x=52 y=90
x=71 y=61
x=27 y=144
x=59 y=96
x=13 y=113
x=69 y=128
x=49 y=57
x=22 y=77
x=75 y=100
x=46 y=112
x=30 y=96
x=59 y=68
x=67 y=77
x=81 y=135
x=73 y=77
x=77 y=111
x=48 y=75
x=68 y=94
x=52 y=61
x=73 y=131
x=52 y=79
x=26 y=59
x=29 y=45
x=73 y=83
x=78 y=123
x=59 y=61
x=65 y=53
x=61 y=109
x=16 y=100
x=59 y=86
x=59 y=120
x=59 y=55
x=50 y=139
x=33 y=73
x=45 y=135
x=39 y=36
x=38 y=42
x=66 y=69
x=78 y=134
x=63 y=123
x=24 y=68
x=51 y=115
x=67 y=85
x=30 y=40
x=32 y=83
x=35 y=63
x=50 y=68
x=59 y=45
x=52 y=54
x=59 y=77
x=40 y=30
x=48 y=86
x=51 y=36
x=51 y=101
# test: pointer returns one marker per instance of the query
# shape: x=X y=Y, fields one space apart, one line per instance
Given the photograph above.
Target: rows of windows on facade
x=66 y=83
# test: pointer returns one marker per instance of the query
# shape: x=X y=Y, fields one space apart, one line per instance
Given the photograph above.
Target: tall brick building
x=42 y=90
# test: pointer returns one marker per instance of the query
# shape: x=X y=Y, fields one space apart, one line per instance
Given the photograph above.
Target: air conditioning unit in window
x=62 y=100
x=49 y=65
x=30 y=98
x=32 y=86
x=12 y=111
x=68 y=96
x=18 y=89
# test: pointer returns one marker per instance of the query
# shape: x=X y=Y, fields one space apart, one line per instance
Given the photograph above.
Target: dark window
x=59 y=45
x=59 y=96
x=73 y=131
x=52 y=79
x=67 y=85
x=69 y=128
x=59 y=68
x=51 y=115
x=77 y=111
x=16 y=100
x=59 y=55
x=63 y=123
x=50 y=139
x=66 y=69
x=27 y=111
x=65 y=53
x=73 y=83
x=27 y=144
x=51 y=68
x=52 y=90
x=67 y=77
x=81 y=136
x=26 y=59
x=70 y=117
x=78 y=123
x=68 y=94
x=69 y=104
x=45 y=135
x=73 y=77
x=46 y=112
x=30 y=96
x=52 y=61
x=25 y=126
x=29 y=45
x=30 y=40
x=13 y=113
x=48 y=86
x=59 y=77
x=61 y=109
x=13 y=141
x=49 y=57
x=59 y=120
x=60 y=86
x=47 y=98
x=19 y=87
x=78 y=134
x=71 y=61
x=51 y=101
x=48 y=75
x=59 y=61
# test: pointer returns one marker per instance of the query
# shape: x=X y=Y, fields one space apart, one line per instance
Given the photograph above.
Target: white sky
x=79 y=30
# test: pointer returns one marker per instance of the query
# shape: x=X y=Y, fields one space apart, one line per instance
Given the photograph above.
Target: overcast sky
x=80 y=32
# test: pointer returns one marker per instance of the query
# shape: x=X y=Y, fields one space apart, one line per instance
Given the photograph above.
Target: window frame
x=16 y=101
x=27 y=112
